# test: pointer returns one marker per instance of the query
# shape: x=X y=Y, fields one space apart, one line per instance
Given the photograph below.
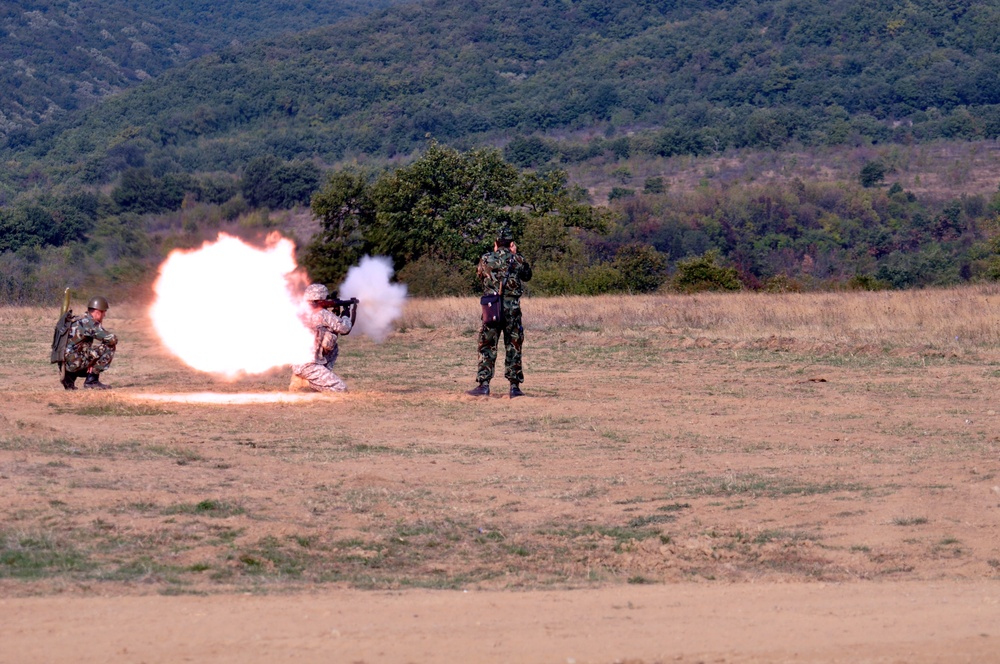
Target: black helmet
x=99 y=303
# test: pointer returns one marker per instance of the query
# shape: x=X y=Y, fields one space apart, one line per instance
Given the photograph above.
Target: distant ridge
x=694 y=77
x=58 y=56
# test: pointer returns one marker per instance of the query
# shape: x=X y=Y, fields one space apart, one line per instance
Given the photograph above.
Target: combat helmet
x=505 y=235
x=316 y=292
x=100 y=303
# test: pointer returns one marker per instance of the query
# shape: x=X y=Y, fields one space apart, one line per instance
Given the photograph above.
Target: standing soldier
x=84 y=357
x=503 y=272
x=327 y=326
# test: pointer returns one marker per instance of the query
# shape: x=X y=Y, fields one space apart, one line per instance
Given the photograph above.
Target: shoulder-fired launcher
x=347 y=307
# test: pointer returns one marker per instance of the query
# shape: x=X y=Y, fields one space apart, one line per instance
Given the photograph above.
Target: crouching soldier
x=90 y=348
x=319 y=372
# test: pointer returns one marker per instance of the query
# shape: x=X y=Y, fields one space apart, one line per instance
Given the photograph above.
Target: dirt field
x=740 y=478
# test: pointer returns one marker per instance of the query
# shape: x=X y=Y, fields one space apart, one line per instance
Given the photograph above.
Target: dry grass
x=941 y=170
x=964 y=318
x=651 y=447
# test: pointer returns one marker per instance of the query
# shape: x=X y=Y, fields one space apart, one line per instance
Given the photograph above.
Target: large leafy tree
x=439 y=213
x=447 y=205
x=345 y=208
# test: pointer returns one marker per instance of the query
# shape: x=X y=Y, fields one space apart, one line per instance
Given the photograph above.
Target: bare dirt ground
x=669 y=490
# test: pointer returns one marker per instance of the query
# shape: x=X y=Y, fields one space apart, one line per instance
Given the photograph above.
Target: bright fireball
x=230 y=308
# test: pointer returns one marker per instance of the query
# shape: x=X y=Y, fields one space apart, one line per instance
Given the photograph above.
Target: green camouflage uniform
x=82 y=354
x=492 y=269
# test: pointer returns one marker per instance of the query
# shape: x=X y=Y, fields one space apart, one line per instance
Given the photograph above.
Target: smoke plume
x=380 y=302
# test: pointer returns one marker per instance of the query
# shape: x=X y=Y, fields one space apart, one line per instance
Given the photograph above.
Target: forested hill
x=701 y=75
x=60 y=55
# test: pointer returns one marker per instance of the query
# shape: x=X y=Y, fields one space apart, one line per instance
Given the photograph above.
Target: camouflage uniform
x=82 y=354
x=492 y=269
x=319 y=372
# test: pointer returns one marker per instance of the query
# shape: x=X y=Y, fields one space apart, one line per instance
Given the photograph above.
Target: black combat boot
x=69 y=380
x=482 y=391
x=515 y=391
x=93 y=382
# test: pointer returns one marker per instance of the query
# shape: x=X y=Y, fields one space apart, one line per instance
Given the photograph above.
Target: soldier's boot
x=69 y=380
x=515 y=391
x=482 y=391
x=93 y=382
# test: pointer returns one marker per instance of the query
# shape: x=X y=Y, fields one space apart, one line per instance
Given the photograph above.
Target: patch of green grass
x=621 y=534
x=629 y=501
x=40 y=445
x=225 y=535
x=24 y=556
x=640 y=521
x=143 y=568
x=111 y=408
x=275 y=558
x=640 y=580
x=909 y=520
x=753 y=484
x=208 y=507
x=779 y=535
x=182 y=455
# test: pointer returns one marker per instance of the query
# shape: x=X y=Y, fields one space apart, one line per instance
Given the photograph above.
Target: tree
x=269 y=182
x=872 y=174
x=346 y=211
x=446 y=204
x=442 y=212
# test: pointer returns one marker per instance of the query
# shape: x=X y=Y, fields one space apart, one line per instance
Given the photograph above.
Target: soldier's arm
x=337 y=324
x=95 y=330
x=523 y=268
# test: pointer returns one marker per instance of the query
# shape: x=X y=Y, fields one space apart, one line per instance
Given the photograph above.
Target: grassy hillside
x=684 y=77
x=59 y=56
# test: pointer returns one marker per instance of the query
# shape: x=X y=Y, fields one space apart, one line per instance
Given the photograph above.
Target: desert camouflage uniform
x=492 y=269
x=82 y=354
x=319 y=372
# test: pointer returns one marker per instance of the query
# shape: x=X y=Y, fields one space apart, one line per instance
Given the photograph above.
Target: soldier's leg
x=98 y=359
x=488 y=339
x=513 y=337
x=334 y=354
x=68 y=379
x=320 y=378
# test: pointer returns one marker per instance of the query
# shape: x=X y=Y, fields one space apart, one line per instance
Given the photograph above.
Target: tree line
x=435 y=216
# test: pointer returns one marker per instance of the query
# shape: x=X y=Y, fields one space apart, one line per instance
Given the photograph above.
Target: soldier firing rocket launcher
x=342 y=307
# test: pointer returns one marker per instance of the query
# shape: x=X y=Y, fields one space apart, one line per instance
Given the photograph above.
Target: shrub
x=430 y=277
x=703 y=273
x=620 y=192
x=642 y=268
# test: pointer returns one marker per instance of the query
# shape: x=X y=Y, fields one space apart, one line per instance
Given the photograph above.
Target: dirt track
x=881 y=622
x=657 y=495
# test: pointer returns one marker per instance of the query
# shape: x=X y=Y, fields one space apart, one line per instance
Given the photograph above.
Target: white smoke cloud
x=380 y=302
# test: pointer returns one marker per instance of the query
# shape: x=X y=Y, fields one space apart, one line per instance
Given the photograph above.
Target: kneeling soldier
x=90 y=348
x=327 y=326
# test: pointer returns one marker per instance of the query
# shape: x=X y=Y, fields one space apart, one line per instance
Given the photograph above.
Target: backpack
x=60 y=337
